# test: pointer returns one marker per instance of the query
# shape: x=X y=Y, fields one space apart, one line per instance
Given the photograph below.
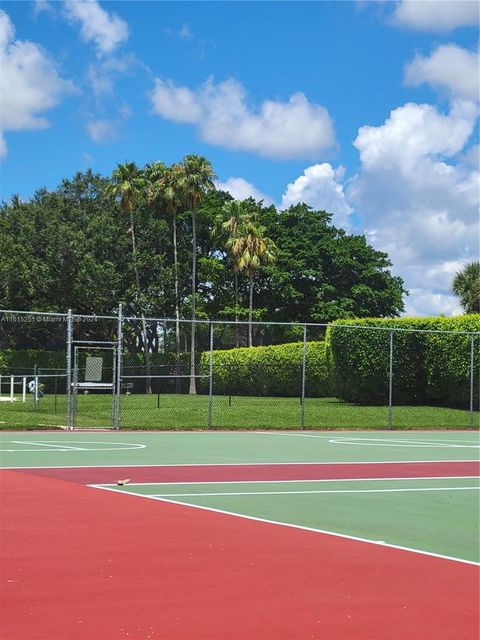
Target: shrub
x=426 y=366
x=268 y=371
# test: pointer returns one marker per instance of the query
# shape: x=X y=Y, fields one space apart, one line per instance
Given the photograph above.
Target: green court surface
x=77 y=448
x=439 y=515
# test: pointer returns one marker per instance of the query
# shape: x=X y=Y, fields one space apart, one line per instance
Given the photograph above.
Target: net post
x=390 y=382
x=210 y=379
x=118 y=373
x=304 y=362
x=69 y=370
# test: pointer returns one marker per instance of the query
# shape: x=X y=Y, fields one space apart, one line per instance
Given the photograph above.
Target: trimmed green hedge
x=428 y=367
x=268 y=371
x=23 y=361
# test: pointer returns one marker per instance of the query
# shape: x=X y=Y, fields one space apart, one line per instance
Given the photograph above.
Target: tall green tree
x=168 y=189
x=323 y=273
x=252 y=249
x=234 y=214
x=196 y=179
x=128 y=186
x=466 y=286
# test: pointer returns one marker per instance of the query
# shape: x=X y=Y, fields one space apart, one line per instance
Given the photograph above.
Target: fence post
x=210 y=379
x=69 y=369
x=304 y=362
x=118 y=381
x=472 y=377
x=390 y=383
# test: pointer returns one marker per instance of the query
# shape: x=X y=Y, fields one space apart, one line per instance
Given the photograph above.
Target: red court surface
x=260 y=472
x=82 y=564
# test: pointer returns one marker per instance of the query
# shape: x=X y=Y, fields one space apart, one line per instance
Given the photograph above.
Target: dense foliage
x=427 y=367
x=466 y=286
x=72 y=248
x=269 y=371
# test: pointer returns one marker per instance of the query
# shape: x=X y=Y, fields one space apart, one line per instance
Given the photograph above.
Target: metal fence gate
x=93 y=387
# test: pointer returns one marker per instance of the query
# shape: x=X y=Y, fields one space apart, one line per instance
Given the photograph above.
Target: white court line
x=50 y=447
x=291 y=526
x=62 y=447
x=285 y=493
x=385 y=479
x=383 y=442
x=230 y=464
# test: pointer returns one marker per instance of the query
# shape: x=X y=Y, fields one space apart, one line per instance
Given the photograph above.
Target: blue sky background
x=96 y=64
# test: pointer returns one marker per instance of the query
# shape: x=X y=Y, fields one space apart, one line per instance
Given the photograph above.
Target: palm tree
x=466 y=286
x=196 y=179
x=168 y=189
x=128 y=184
x=234 y=214
x=252 y=249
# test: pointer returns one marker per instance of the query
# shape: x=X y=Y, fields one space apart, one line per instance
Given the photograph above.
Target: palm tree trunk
x=193 y=387
x=177 y=305
x=148 y=382
x=237 y=337
x=250 y=311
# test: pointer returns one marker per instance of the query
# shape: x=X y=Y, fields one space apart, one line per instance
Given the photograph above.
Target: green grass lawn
x=191 y=412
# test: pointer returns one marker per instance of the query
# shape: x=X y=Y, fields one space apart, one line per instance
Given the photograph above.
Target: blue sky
x=366 y=109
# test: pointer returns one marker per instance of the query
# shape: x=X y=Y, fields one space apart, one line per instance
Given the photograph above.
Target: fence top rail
x=33 y=313
x=93 y=318
x=324 y=325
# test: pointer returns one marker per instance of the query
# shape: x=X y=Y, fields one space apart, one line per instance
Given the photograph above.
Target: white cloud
x=449 y=67
x=42 y=6
x=29 y=82
x=175 y=103
x=416 y=131
x=423 y=302
x=417 y=206
x=106 y=30
x=241 y=189
x=103 y=130
x=436 y=15
x=321 y=187
x=280 y=130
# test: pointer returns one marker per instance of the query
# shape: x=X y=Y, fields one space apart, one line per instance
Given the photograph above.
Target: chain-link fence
x=112 y=372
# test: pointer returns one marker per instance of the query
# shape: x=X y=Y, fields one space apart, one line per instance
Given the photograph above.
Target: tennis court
x=258 y=535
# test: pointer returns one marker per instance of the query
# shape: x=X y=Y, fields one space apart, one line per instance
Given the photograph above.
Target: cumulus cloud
x=416 y=200
x=436 y=15
x=413 y=132
x=321 y=187
x=279 y=130
x=106 y=30
x=241 y=189
x=449 y=67
x=29 y=83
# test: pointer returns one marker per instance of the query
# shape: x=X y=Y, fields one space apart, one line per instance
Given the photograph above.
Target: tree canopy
x=466 y=286
x=72 y=248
